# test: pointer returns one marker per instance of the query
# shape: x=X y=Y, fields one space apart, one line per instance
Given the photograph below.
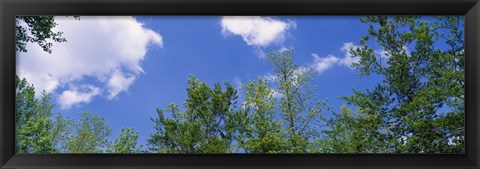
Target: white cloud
x=269 y=77
x=118 y=83
x=74 y=96
x=256 y=30
x=321 y=64
x=348 y=60
x=45 y=82
x=276 y=94
x=301 y=70
x=98 y=47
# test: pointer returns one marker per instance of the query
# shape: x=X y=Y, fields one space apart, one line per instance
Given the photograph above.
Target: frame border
x=10 y=8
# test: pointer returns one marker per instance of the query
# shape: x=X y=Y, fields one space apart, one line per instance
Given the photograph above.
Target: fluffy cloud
x=348 y=60
x=118 y=83
x=108 y=49
x=75 y=96
x=255 y=30
x=321 y=64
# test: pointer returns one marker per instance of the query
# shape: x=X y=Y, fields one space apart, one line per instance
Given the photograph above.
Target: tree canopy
x=417 y=107
x=126 y=142
x=33 y=122
x=36 y=29
x=417 y=84
x=206 y=126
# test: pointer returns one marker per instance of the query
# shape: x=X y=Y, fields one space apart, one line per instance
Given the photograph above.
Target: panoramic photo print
x=240 y=84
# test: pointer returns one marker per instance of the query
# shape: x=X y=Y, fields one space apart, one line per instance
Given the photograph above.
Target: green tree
x=62 y=132
x=126 y=142
x=87 y=135
x=175 y=134
x=33 y=122
x=36 y=29
x=206 y=126
x=349 y=132
x=260 y=131
x=300 y=108
x=418 y=86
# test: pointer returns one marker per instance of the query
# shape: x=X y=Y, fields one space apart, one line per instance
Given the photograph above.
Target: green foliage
x=350 y=132
x=416 y=84
x=87 y=135
x=62 y=131
x=206 y=126
x=36 y=132
x=126 y=142
x=260 y=132
x=418 y=107
x=33 y=123
x=300 y=108
x=36 y=29
x=212 y=123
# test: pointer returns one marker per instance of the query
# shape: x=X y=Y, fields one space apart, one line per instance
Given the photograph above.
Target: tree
x=174 y=135
x=36 y=132
x=206 y=126
x=349 y=132
x=36 y=29
x=260 y=130
x=62 y=132
x=126 y=142
x=417 y=85
x=33 y=123
x=299 y=106
x=87 y=135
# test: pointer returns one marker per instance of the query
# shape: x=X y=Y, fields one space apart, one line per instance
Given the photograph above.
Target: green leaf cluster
x=206 y=126
x=260 y=131
x=33 y=124
x=37 y=29
x=126 y=142
x=419 y=106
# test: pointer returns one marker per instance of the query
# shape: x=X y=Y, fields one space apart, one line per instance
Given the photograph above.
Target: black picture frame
x=10 y=8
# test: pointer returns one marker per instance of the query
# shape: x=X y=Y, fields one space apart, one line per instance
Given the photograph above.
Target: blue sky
x=123 y=68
